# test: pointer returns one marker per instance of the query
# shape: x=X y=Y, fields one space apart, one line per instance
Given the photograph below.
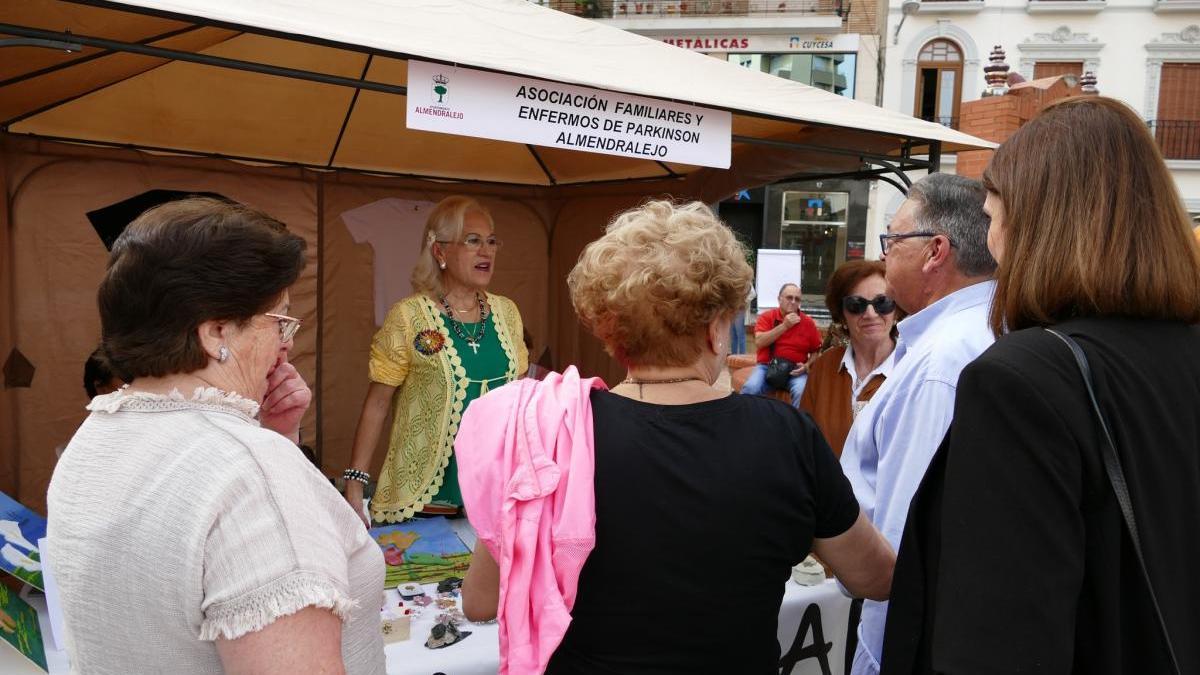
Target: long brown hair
x=1093 y=224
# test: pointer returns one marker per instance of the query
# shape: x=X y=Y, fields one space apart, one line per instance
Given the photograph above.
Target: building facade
x=835 y=45
x=1143 y=52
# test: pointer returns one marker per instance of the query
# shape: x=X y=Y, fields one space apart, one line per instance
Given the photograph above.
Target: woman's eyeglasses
x=475 y=242
x=288 y=325
x=856 y=304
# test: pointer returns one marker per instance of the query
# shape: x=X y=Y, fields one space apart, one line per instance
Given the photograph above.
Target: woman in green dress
x=438 y=349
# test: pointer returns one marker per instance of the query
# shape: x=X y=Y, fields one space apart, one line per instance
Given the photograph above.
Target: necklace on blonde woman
x=674 y=380
x=474 y=338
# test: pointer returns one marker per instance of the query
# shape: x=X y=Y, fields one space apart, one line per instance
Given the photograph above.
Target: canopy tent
x=309 y=99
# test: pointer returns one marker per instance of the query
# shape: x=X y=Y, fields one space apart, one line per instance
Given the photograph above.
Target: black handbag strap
x=1116 y=476
x=771 y=353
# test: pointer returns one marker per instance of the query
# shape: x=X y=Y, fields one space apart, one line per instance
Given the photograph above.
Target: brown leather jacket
x=827 y=396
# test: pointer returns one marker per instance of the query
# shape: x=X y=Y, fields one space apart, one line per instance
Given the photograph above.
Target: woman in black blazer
x=1015 y=557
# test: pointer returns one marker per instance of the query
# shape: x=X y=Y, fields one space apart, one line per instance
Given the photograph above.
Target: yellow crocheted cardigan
x=431 y=383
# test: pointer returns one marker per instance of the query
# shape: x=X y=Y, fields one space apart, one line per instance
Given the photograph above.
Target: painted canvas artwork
x=19 y=529
x=423 y=551
x=19 y=627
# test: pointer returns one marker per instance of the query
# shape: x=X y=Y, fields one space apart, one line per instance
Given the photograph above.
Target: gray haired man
x=939 y=270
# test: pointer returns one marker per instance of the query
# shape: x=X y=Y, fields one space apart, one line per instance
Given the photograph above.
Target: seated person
x=696 y=492
x=786 y=333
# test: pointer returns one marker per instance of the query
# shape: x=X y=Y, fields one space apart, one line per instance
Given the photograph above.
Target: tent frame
x=71 y=42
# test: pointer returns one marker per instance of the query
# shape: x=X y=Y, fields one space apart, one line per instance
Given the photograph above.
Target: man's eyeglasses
x=475 y=242
x=790 y=298
x=856 y=304
x=886 y=239
x=288 y=325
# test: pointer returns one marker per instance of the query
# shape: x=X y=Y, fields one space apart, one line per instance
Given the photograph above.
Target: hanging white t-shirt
x=393 y=229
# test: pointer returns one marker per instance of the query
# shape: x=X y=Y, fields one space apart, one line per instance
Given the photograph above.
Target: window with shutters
x=1051 y=68
x=1177 y=127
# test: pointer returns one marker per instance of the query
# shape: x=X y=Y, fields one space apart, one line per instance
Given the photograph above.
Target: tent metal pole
x=935 y=156
x=203 y=59
x=545 y=169
x=40 y=42
x=894 y=183
x=319 y=381
x=896 y=170
x=791 y=145
x=864 y=174
x=349 y=112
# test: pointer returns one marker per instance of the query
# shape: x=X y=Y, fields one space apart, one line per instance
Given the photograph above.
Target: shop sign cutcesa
x=837 y=42
x=468 y=102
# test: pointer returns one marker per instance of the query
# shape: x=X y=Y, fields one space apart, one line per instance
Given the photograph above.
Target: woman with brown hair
x=845 y=377
x=189 y=534
x=1018 y=555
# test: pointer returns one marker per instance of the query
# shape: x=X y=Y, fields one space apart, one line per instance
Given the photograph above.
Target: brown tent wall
x=52 y=262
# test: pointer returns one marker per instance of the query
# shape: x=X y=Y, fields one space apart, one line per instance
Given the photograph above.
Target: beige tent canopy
x=102 y=101
x=322 y=84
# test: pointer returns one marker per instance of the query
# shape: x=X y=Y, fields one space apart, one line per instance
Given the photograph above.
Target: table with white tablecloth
x=812 y=627
x=811 y=632
x=822 y=611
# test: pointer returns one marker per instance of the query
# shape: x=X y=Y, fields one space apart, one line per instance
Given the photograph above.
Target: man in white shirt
x=939 y=271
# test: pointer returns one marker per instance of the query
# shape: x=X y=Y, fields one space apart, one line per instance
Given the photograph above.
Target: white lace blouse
x=173 y=522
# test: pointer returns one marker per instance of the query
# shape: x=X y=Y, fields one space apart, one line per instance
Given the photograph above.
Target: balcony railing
x=1178 y=139
x=649 y=9
x=951 y=122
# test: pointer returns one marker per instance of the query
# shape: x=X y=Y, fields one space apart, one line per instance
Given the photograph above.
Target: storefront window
x=831 y=72
x=815 y=224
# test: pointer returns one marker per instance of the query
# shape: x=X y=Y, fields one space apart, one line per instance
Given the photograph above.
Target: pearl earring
x=442 y=264
x=222 y=354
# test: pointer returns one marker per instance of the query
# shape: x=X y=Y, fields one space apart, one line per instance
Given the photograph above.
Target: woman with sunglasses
x=188 y=532
x=844 y=378
x=438 y=349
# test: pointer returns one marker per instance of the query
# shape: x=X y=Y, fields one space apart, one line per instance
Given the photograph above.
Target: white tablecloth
x=479 y=653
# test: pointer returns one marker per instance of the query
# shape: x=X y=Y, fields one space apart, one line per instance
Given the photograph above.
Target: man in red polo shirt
x=794 y=336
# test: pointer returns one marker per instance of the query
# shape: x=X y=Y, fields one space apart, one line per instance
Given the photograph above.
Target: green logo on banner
x=439 y=87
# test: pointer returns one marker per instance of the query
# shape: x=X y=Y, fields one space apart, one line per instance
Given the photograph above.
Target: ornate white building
x=1144 y=52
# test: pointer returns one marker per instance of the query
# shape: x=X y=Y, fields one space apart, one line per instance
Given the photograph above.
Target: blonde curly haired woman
x=439 y=349
x=682 y=470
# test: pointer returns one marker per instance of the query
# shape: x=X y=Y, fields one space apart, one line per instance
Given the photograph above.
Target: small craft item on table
x=422 y=550
x=445 y=634
x=809 y=572
x=395 y=625
x=449 y=585
x=410 y=590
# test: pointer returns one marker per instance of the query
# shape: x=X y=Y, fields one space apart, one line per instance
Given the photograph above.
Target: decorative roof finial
x=1088 y=83
x=996 y=73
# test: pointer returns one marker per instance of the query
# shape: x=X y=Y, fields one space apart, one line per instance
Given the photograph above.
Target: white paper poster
x=776 y=267
x=467 y=102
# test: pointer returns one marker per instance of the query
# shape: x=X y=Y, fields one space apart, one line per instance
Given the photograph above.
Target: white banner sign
x=468 y=102
x=764 y=44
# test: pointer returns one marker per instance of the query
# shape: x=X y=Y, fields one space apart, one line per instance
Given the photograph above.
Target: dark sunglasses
x=856 y=304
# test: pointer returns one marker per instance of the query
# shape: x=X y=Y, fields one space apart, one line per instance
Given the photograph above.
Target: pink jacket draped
x=525 y=465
